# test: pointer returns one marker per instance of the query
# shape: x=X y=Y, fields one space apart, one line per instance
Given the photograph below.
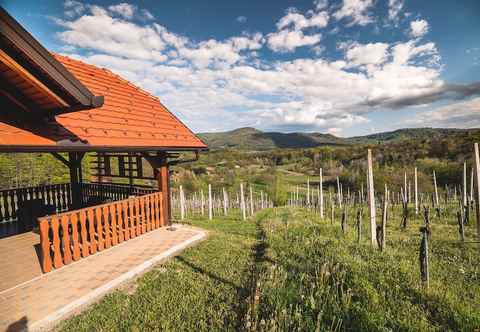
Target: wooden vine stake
x=424 y=257
x=371 y=200
x=182 y=204
x=321 y=194
x=242 y=202
x=477 y=168
x=210 y=206
x=416 y=191
x=384 y=219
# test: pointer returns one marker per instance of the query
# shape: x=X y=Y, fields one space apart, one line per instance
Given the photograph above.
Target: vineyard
x=316 y=263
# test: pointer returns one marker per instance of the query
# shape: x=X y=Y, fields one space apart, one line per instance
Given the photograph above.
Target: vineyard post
x=224 y=201
x=339 y=193
x=464 y=184
x=371 y=200
x=424 y=257
x=416 y=191
x=202 y=207
x=242 y=202
x=182 y=204
x=210 y=207
x=308 y=192
x=477 y=167
x=384 y=218
x=251 y=200
x=321 y=193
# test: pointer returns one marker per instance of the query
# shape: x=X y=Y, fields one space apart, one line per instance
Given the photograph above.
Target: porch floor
x=30 y=299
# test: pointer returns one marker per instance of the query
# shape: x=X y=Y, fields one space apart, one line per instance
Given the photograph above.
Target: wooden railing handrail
x=59 y=215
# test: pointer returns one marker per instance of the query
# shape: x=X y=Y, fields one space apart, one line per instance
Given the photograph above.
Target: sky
x=347 y=67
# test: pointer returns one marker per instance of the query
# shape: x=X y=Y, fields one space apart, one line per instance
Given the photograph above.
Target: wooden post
x=416 y=191
x=242 y=202
x=425 y=276
x=163 y=177
x=477 y=168
x=339 y=193
x=321 y=194
x=224 y=201
x=182 y=204
x=251 y=200
x=371 y=200
x=436 y=189
x=464 y=184
x=210 y=206
x=384 y=218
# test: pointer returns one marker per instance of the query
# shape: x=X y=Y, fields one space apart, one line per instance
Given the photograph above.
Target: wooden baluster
x=157 y=210
x=113 y=225
x=83 y=232
x=101 y=242
x=76 y=247
x=146 y=202
x=45 y=258
x=133 y=227
x=143 y=217
x=57 y=254
x=2 y=207
x=152 y=211
x=67 y=253
x=91 y=232
x=138 y=217
x=120 y=221
x=106 y=223
x=126 y=220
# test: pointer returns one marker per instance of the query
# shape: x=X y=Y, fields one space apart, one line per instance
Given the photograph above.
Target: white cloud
x=123 y=9
x=464 y=114
x=225 y=83
x=299 y=21
x=73 y=8
x=320 y=4
x=394 y=9
x=288 y=41
x=367 y=54
x=418 y=28
x=356 y=11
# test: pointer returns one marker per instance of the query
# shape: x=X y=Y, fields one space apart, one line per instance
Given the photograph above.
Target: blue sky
x=348 y=67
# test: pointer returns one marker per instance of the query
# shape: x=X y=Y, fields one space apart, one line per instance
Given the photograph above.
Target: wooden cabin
x=67 y=108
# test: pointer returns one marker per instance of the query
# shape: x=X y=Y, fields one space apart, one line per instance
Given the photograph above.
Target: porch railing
x=113 y=192
x=70 y=236
x=57 y=195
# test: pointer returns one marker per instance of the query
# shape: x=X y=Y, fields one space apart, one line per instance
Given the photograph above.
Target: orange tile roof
x=130 y=118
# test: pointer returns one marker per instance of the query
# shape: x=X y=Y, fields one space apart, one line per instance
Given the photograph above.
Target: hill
x=256 y=140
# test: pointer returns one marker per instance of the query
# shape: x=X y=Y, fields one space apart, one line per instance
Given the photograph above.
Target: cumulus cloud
x=123 y=9
x=287 y=41
x=356 y=11
x=73 y=8
x=223 y=84
x=418 y=28
x=299 y=21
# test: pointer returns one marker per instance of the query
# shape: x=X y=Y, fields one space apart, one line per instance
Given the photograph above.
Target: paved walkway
x=43 y=300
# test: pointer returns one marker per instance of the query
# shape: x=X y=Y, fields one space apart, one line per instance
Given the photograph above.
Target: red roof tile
x=130 y=117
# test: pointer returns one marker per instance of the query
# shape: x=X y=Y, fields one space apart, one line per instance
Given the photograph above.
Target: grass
x=287 y=270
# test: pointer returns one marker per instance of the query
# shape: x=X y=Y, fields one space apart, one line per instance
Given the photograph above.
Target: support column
x=163 y=178
x=75 y=167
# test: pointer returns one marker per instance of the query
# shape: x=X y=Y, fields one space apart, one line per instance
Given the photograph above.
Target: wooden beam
x=15 y=66
x=61 y=158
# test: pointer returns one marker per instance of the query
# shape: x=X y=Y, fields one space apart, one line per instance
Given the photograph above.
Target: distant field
x=287 y=270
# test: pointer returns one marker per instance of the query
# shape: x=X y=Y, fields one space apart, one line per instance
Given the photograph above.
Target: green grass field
x=287 y=270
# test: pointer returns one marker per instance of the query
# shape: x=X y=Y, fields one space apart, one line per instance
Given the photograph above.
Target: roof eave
x=11 y=30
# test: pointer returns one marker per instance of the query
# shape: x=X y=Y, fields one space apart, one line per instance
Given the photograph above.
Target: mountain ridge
x=249 y=138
